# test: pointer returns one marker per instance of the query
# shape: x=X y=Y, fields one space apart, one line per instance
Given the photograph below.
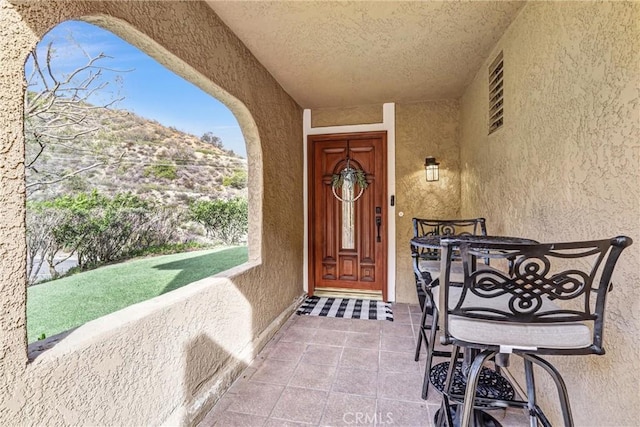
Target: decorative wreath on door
x=348 y=177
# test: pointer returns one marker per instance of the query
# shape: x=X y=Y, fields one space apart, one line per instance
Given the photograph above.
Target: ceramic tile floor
x=337 y=372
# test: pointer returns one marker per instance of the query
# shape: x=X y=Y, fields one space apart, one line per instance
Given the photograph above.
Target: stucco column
x=15 y=40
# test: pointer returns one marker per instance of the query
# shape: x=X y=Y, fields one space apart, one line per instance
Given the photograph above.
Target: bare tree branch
x=49 y=52
x=38 y=68
x=70 y=137
x=57 y=110
x=40 y=151
x=67 y=176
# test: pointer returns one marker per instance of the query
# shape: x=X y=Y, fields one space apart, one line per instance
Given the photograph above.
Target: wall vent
x=496 y=94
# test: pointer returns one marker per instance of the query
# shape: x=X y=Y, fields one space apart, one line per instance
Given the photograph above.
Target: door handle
x=378 y=224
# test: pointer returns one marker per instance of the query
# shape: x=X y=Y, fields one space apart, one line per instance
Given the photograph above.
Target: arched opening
x=144 y=364
x=106 y=185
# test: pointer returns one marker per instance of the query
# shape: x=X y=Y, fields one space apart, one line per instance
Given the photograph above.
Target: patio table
x=434 y=242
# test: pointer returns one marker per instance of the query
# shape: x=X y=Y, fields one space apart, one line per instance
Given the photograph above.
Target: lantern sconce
x=432 y=169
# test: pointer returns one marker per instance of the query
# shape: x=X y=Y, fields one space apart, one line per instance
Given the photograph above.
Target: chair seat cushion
x=526 y=335
x=433 y=266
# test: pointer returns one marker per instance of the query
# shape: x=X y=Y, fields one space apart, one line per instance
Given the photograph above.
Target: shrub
x=237 y=180
x=98 y=228
x=162 y=171
x=206 y=152
x=226 y=220
x=76 y=183
x=41 y=243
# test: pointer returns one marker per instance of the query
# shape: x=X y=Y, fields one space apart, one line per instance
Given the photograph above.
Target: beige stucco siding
x=357 y=115
x=566 y=166
x=422 y=129
x=164 y=360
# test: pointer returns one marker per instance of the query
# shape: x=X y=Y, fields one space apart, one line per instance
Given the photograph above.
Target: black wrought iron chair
x=552 y=303
x=426 y=266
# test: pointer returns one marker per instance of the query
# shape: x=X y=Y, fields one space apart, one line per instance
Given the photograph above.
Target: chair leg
x=531 y=393
x=419 y=345
x=444 y=414
x=563 y=394
x=421 y=332
x=445 y=408
x=430 y=344
x=472 y=383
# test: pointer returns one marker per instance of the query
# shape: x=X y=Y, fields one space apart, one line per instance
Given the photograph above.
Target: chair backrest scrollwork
x=549 y=283
x=449 y=227
x=423 y=227
x=446 y=227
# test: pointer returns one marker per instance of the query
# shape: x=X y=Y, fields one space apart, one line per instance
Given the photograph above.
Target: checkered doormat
x=347 y=308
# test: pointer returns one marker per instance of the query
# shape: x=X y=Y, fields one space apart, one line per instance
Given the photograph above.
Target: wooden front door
x=348 y=238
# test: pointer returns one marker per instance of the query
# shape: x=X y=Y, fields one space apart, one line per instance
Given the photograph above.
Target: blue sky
x=149 y=89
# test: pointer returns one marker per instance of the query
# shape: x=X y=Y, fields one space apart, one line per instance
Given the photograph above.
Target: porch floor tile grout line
x=379 y=397
x=331 y=390
x=288 y=382
x=326 y=402
x=335 y=377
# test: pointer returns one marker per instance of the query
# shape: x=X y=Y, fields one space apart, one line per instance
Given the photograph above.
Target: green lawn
x=66 y=303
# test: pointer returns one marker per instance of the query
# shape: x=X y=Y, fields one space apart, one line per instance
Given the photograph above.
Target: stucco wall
x=422 y=129
x=566 y=167
x=357 y=115
x=164 y=360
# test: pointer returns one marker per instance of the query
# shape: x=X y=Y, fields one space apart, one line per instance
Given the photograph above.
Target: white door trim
x=389 y=125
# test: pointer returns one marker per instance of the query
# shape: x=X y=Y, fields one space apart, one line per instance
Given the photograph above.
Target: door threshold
x=348 y=293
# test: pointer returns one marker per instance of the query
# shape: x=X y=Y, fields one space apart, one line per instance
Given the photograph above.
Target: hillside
x=140 y=155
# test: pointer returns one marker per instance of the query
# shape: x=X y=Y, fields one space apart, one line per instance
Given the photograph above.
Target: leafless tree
x=42 y=244
x=56 y=114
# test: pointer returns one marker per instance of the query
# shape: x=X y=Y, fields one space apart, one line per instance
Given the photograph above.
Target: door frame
x=379 y=199
x=388 y=125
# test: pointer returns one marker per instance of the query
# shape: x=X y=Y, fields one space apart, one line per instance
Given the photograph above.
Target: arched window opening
x=136 y=180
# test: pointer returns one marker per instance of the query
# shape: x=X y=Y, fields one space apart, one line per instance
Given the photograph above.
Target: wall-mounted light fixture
x=432 y=169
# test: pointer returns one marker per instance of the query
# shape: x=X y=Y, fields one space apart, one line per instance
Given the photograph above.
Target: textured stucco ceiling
x=332 y=54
